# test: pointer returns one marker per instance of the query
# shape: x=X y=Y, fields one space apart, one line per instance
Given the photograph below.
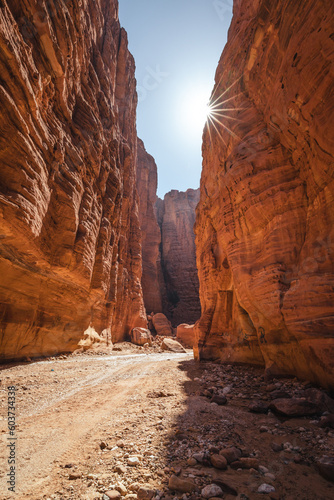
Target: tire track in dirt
x=57 y=429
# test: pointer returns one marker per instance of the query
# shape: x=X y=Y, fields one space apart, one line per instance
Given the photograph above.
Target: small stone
x=219 y=400
x=268 y=475
x=192 y=462
x=263 y=429
x=133 y=461
x=246 y=463
x=112 y=494
x=266 y=488
x=325 y=467
x=103 y=445
x=120 y=444
x=74 y=475
x=263 y=469
x=120 y=469
x=212 y=490
x=145 y=493
x=258 y=407
x=184 y=486
x=219 y=462
x=134 y=487
x=276 y=447
x=121 y=488
x=231 y=454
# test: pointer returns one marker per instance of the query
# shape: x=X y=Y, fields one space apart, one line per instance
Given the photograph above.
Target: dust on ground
x=118 y=420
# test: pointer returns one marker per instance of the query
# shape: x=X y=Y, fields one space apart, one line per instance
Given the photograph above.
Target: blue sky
x=176 y=45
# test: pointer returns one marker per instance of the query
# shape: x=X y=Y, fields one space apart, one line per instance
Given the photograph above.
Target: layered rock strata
x=180 y=289
x=265 y=221
x=70 y=252
x=147 y=182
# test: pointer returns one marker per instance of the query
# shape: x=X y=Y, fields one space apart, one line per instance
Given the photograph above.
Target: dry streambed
x=159 y=425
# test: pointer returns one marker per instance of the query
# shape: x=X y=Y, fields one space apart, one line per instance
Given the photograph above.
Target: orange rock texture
x=265 y=222
x=180 y=290
x=70 y=252
x=147 y=181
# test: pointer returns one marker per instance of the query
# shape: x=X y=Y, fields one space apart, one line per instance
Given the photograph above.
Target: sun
x=194 y=111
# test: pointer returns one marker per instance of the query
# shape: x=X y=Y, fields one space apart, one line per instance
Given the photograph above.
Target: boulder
x=294 y=407
x=172 y=345
x=141 y=336
x=162 y=325
x=185 y=334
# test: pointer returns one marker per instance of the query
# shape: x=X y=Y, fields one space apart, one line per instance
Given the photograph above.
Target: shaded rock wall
x=147 y=181
x=70 y=250
x=180 y=294
x=265 y=222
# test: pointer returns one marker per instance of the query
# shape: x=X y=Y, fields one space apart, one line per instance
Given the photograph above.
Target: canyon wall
x=265 y=221
x=147 y=181
x=70 y=251
x=180 y=288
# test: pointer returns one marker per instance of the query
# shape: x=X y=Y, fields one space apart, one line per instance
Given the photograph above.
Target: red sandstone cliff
x=70 y=250
x=265 y=222
x=147 y=181
x=180 y=295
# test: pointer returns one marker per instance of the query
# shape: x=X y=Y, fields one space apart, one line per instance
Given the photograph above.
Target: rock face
x=70 y=252
x=180 y=294
x=265 y=222
x=147 y=181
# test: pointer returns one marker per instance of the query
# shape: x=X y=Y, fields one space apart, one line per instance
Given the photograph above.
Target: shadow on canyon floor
x=205 y=428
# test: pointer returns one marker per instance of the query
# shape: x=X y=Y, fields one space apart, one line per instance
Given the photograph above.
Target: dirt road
x=89 y=424
x=65 y=405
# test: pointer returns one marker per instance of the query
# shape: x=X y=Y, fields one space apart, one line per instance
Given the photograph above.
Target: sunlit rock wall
x=70 y=251
x=265 y=222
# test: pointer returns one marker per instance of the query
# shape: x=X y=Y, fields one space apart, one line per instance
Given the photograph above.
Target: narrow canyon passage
x=177 y=347
x=88 y=425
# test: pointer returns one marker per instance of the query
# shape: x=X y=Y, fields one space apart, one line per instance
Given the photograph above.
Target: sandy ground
x=85 y=417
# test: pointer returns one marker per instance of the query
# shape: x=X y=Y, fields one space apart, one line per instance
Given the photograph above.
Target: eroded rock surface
x=180 y=294
x=265 y=221
x=147 y=181
x=70 y=252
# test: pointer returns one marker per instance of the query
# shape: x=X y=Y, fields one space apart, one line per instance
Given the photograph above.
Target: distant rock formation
x=147 y=181
x=265 y=221
x=169 y=279
x=70 y=252
x=180 y=294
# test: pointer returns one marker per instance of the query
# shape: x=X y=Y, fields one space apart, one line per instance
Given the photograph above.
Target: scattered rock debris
x=179 y=430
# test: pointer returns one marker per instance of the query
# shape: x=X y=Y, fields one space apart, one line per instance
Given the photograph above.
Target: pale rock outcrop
x=265 y=221
x=90 y=337
x=70 y=251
